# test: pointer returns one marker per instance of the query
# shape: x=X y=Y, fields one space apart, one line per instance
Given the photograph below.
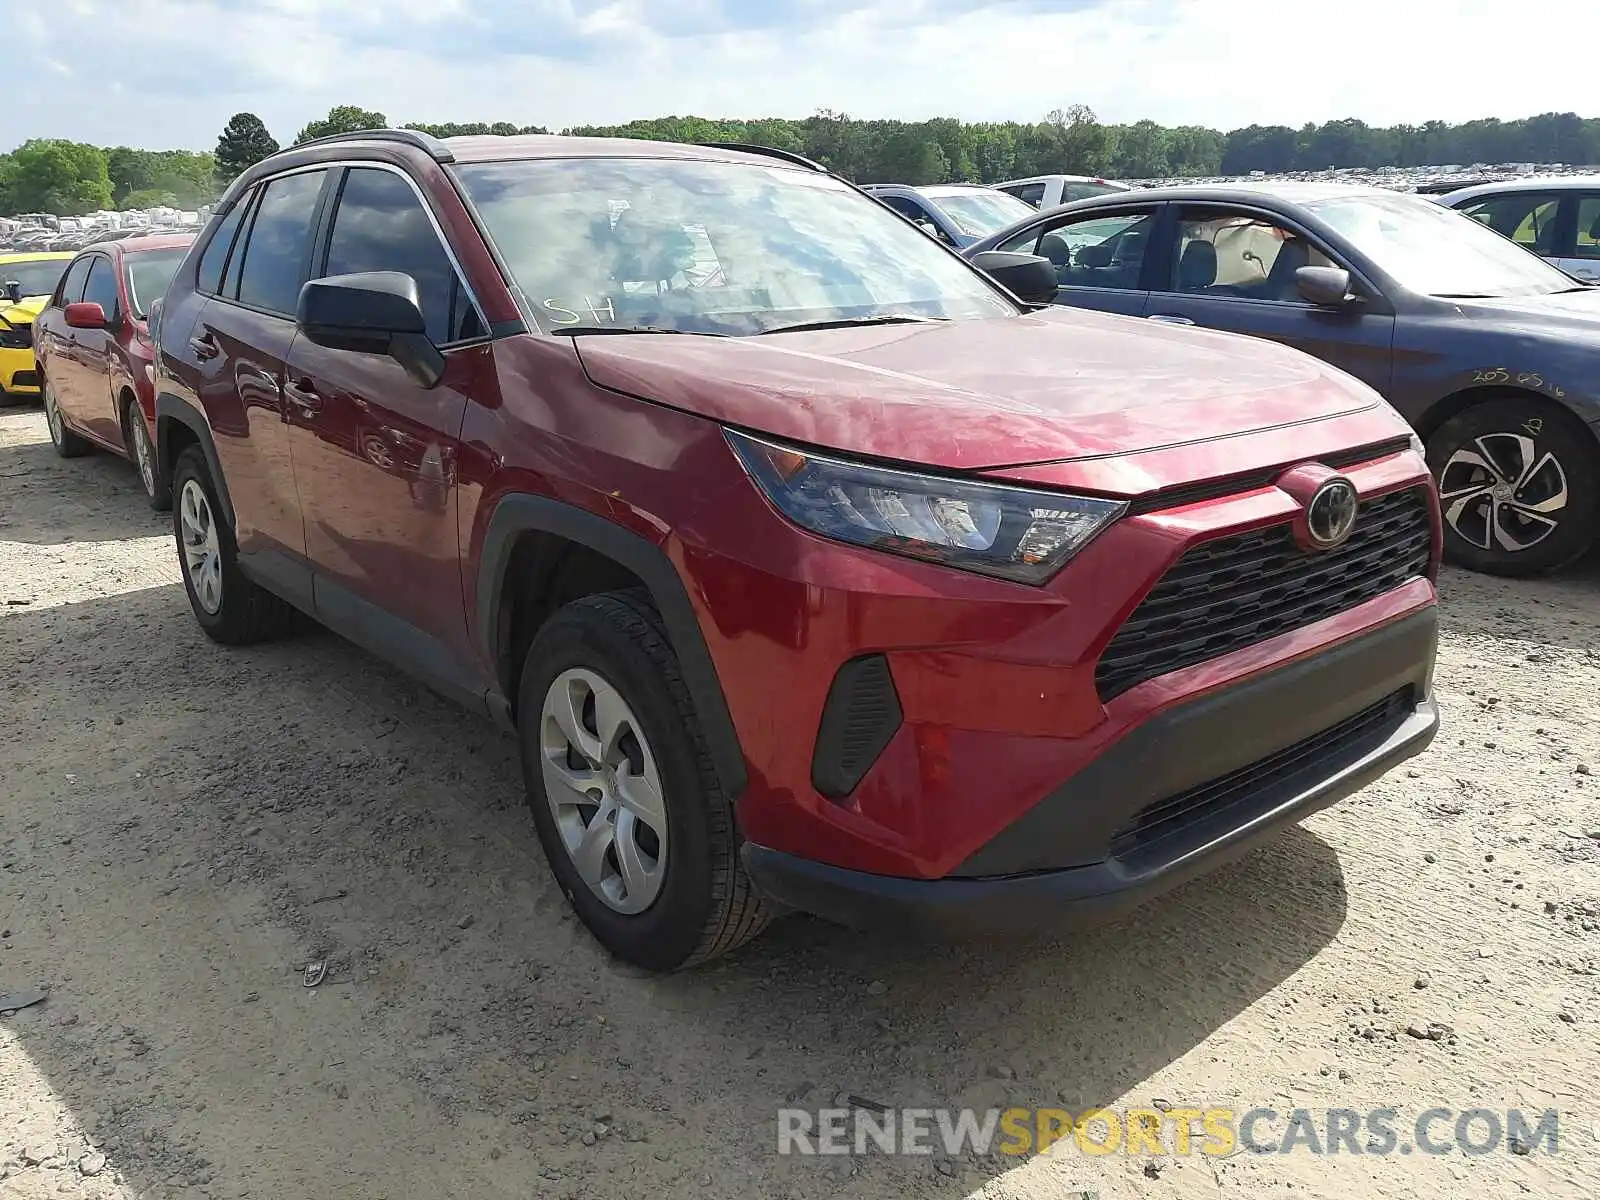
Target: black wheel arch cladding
x=171 y=409
x=520 y=513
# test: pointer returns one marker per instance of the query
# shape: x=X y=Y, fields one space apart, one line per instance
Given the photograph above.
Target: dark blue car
x=1490 y=352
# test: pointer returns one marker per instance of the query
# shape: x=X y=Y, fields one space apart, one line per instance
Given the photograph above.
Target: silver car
x=1557 y=218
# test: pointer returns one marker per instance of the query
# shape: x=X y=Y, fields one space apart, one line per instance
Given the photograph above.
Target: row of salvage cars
x=1067 y=607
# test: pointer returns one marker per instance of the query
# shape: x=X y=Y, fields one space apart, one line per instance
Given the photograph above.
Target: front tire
x=67 y=443
x=230 y=608
x=634 y=822
x=1517 y=486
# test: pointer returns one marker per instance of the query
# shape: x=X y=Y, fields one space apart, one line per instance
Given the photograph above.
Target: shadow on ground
x=190 y=826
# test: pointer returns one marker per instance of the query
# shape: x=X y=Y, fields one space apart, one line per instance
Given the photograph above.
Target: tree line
x=72 y=178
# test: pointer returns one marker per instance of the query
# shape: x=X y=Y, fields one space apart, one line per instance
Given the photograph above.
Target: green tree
x=342 y=118
x=1142 y=151
x=243 y=143
x=65 y=178
x=152 y=198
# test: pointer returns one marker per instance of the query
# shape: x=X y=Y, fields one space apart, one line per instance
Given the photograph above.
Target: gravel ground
x=183 y=828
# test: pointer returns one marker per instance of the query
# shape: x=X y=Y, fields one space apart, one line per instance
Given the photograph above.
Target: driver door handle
x=302 y=393
x=1169 y=319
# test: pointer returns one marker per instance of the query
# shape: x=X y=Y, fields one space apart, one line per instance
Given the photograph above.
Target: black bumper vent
x=16 y=337
x=1233 y=592
x=1158 y=832
x=860 y=718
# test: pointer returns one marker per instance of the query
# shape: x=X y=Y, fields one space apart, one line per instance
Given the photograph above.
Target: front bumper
x=19 y=375
x=1204 y=782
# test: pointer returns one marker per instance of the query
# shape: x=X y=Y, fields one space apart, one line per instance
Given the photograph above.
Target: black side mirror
x=374 y=312
x=1028 y=277
x=13 y=290
x=1328 y=287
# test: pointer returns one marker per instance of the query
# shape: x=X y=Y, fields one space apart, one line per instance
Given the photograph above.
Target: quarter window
x=102 y=286
x=77 y=276
x=216 y=255
x=381 y=225
x=277 y=253
x=1240 y=255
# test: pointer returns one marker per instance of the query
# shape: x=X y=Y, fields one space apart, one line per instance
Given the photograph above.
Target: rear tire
x=143 y=452
x=67 y=443
x=230 y=608
x=1518 y=484
x=602 y=671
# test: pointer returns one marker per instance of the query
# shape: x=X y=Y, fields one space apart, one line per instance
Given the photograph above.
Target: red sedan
x=92 y=341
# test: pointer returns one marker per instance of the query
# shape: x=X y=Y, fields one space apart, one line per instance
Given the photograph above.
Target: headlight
x=1010 y=532
x=1419 y=447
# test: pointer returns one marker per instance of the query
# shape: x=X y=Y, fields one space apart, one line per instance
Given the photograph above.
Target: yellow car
x=27 y=282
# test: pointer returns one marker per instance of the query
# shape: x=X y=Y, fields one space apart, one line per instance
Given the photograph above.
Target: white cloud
x=186 y=65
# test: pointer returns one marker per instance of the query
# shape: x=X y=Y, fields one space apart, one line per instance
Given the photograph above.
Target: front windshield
x=711 y=247
x=149 y=272
x=1435 y=251
x=980 y=213
x=38 y=276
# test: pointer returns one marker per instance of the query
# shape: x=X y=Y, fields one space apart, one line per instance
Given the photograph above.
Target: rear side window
x=72 y=285
x=381 y=225
x=278 y=251
x=102 y=286
x=1029 y=193
x=1527 y=218
x=216 y=255
x=1588 y=228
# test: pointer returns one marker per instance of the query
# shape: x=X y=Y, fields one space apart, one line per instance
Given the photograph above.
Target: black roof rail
x=427 y=143
x=788 y=156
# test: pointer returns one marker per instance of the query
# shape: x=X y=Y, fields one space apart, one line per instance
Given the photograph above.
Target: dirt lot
x=183 y=828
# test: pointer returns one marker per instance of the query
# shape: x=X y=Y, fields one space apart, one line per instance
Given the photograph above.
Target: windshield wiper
x=850 y=322
x=573 y=329
x=1466 y=296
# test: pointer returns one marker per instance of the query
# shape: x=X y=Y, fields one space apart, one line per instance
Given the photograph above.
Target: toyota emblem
x=1331 y=513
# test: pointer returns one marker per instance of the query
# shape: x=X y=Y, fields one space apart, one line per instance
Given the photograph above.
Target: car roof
x=388 y=145
x=951 y=189
x=1063 y=178
x=144 y=242
x=1288 y=191
x=1533 y=183
x=34 y=255
x=489 y=148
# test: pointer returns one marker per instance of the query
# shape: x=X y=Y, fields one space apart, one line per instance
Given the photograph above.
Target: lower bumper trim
x=1062 y=899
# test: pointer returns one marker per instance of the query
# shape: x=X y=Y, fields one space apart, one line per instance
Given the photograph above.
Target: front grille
x=1242 y=795
x=16 y=337
x=1233 y=592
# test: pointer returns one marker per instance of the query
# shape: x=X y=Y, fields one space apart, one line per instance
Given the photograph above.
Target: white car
x=1050 y=191
x=1557 y=218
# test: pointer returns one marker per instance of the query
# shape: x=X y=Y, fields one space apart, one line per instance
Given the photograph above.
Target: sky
x=168 y=73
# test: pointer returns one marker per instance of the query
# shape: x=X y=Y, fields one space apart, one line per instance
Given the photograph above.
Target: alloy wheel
x=1500 y=493
x=141 y=452
x=604 y=790
x=52 y=415
x=202 y=554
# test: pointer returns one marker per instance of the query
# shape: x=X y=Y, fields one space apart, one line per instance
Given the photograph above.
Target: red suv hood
x=973 y=395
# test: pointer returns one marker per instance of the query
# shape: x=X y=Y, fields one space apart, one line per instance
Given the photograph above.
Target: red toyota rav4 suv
x=812 y=568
